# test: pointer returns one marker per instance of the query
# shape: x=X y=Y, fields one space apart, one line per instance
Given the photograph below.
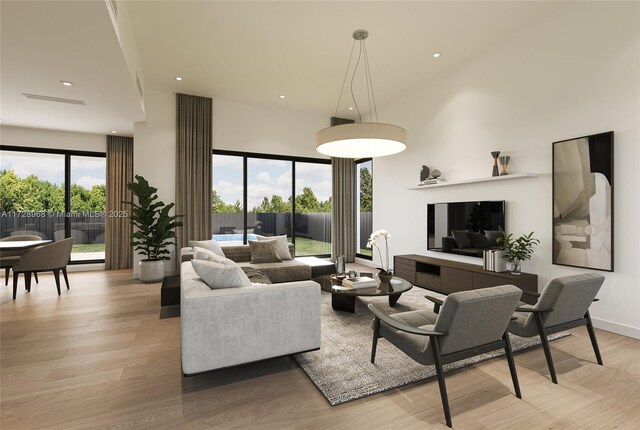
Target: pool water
x=233 y=237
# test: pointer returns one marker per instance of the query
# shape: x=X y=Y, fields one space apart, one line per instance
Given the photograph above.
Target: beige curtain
x=343 y=216
x=118 y=250
x=193 y=169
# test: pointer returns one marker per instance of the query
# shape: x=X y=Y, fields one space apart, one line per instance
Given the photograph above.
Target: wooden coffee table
x=344 y=299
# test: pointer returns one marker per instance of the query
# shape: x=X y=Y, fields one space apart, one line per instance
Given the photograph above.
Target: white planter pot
x=151 y=271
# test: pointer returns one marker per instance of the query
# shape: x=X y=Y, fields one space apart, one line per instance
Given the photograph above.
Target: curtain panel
x=193 y=169
x=118 y=250
x=343 y=214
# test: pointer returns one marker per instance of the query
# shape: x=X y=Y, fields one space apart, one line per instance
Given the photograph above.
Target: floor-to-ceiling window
x=54 y=194
x=364 y=202
x=253 y=195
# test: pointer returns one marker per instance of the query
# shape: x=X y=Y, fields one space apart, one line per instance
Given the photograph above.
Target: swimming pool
x=233 y=237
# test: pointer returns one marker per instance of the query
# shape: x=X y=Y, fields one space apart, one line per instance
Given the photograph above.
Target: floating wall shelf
x=473 y=181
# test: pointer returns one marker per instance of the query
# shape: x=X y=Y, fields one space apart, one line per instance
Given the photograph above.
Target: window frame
x=68 y=153
x=361 y=161
x=293 y=159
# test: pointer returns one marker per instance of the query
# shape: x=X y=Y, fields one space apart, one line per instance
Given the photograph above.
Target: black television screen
x=465 y=228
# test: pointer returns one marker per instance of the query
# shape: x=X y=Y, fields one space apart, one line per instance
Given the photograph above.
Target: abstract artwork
x=583 y=202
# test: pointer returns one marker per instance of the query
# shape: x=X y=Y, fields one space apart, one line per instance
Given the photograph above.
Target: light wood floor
x=99 y=357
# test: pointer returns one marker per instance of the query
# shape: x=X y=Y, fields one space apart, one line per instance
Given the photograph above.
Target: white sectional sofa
x=232 y=326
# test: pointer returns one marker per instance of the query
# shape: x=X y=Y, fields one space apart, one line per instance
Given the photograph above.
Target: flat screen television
x=465 y=228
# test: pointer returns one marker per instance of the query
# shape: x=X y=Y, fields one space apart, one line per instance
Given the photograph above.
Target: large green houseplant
x=518 y=250
x=154 y=228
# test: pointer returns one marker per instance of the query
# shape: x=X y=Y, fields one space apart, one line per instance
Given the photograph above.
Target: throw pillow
x=256 y=276
x=282 y=246
x=206 y=255
x=492 y=236
x=462 y=238
x=211 y=245
x=217 y=275
x=479 y=241
x=263 y=252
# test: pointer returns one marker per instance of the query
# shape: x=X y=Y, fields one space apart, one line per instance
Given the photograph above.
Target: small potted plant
x=518 y=250
x=155 y=229
x=385 y=274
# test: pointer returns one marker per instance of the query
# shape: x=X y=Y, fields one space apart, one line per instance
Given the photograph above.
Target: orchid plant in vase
x=385 y=273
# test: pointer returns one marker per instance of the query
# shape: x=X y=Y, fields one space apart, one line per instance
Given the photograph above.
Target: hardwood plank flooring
x=99 y=357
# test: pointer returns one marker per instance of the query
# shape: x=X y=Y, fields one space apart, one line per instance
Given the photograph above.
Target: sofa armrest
x=186 y=254
x=448 y=243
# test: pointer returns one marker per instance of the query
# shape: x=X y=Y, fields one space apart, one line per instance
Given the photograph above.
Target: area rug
x=342 y=370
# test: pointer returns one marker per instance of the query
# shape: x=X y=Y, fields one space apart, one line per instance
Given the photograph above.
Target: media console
x=447 y=276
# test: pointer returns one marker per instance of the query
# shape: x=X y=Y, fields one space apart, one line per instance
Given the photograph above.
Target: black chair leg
x=27 y=281
x=7 y=270
x=15 y=284
x=592 y=336
x=512 y=364
x=56 y=275
x=35 y=275
x=545 y=347
x=376 y=334
x=66 y=279
x=440 y=372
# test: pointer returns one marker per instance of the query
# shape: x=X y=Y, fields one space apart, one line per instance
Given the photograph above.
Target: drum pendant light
x=361 y=139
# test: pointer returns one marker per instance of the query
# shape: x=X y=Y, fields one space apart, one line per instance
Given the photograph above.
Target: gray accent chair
x=563 y=304
x=54 y=256
x=469 y=323
x=9 y=258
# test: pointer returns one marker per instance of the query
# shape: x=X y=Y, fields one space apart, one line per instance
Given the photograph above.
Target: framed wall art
x=583 y=202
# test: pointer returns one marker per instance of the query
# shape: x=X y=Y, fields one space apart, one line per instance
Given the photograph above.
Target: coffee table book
x=359 y=282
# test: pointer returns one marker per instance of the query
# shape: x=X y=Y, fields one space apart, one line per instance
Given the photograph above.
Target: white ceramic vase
x=151 y=270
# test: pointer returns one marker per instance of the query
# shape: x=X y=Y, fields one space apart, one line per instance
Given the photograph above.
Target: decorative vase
x=495 y=155
x=385 y=277
x=504 y=163
x=515 y=267
x=151 y=270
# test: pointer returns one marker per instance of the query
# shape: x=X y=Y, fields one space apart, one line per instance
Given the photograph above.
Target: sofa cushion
x=256 y=276
x=217 y=275
x=479 y=241
x=492 y=236
x=286 y=271
x=282 y=245
x=462 y=238
x=211 y=245
x=263 y=252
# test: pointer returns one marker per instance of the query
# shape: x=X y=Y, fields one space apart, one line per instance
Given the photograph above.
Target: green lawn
x=306 y=246
x=88 y=247
x=365 y=251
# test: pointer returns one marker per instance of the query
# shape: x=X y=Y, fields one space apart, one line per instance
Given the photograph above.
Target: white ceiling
x=245 y=51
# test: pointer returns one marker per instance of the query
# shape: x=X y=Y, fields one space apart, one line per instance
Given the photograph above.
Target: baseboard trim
x=617 y=328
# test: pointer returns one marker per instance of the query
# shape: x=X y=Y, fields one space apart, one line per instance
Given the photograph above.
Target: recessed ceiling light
x=436 y=55
x=67 y=83
x=350 y=107
x=282 y=96
x=178 y=78
x=114 y=131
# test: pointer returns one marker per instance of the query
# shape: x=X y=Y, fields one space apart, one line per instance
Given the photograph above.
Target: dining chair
x=9 y=258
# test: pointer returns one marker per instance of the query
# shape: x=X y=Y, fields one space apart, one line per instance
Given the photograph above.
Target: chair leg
x=376 y=335
x=27 y=281
x=440 y=372
x=545 y=347
x=66 y=279
x=56 y=275
x=592 y=336
x=7 y=270
x=512 y=364
x=35 y=275
x=15 y=283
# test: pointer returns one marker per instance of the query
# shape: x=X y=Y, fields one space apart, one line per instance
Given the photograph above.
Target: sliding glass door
x=364 y=198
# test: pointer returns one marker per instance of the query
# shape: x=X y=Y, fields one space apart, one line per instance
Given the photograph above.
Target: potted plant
x=154 y=229
x=517 y=250
x=385 y=274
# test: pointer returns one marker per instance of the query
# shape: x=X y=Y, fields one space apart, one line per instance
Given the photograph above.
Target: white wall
x=265 y=129
x=52 y=139
x=575 y=73
x=154 y=153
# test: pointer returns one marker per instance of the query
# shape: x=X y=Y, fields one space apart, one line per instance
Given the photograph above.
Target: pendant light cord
x=370 y=84
x=344 y=80
x=353 y=77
